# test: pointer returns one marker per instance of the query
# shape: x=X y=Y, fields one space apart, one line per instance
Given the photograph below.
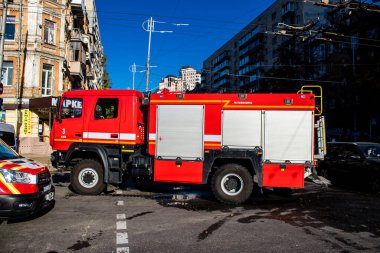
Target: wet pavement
x=182 y=218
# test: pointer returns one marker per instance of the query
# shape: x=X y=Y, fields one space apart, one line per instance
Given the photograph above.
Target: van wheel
x=232 y=184
x=87 y=177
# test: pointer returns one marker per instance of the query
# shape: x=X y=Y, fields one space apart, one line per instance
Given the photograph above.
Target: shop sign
x=27 y=120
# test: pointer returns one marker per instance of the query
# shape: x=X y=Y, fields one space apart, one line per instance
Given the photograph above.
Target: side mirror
x=58 y=106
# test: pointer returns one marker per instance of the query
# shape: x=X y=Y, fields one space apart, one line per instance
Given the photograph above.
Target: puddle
x=207 y=232
x=138 y=215
x=81 y=244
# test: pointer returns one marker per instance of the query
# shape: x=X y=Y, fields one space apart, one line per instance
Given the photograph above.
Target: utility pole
x=2 y=35
x=150 y=30
x=148 y=25
x=19 y=55
x=133 y=69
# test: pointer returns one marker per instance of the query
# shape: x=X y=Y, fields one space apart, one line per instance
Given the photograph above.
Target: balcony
x=76 y=69
x=89 y=72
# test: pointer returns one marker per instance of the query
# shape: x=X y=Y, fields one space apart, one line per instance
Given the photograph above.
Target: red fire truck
x=230 y=141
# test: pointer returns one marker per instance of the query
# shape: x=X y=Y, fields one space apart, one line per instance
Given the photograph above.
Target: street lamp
x=148 y=25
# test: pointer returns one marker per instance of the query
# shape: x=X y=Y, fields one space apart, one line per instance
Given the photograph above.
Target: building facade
x=187 y=81
x=190 y=78
x=240 y=63
x=54 y=50
x=171 y=83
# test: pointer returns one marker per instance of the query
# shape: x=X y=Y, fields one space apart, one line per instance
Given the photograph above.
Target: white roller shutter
x=288 y=135
x=180 y=132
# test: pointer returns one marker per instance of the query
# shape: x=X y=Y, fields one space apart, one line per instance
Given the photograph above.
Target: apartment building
x=188 y=79
x=59 y=50
x=240 y=63
x=171 y=83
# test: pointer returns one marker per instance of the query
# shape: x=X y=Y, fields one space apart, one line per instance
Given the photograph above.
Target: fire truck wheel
x=232 y=184
x=87 y=177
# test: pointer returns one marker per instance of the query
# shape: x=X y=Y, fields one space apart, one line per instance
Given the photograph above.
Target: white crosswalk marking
x=122 y=250
x=122 y=238
x=121 y=225
x=120 y=203
x=120 y=216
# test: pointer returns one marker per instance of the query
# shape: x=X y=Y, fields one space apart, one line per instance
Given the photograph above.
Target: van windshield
x=6 y=152
x=8 y=138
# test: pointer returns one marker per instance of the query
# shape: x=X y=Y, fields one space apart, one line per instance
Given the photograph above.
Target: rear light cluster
x=141 y=132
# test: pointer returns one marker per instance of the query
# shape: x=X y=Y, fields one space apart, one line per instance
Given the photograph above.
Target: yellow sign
x=27 y=120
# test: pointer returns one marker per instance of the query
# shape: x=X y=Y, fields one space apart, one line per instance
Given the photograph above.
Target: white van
x=7 y=134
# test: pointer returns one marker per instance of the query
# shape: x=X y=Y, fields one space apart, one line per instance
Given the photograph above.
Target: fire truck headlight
x=11 y=176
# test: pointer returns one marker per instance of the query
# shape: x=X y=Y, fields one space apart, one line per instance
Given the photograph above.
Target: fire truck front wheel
x=232 y=184
x=87 y=177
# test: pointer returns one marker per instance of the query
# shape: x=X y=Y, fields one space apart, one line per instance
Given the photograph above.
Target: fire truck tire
x=232 y=184
x=87 y=177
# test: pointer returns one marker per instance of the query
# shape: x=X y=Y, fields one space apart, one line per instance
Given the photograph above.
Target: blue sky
x=212 y=23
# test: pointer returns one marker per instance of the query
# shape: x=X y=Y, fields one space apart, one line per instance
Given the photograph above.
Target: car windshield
x=6 y=152
x=370 y=150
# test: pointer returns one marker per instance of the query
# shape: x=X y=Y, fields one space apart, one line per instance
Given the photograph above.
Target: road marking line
x=120 y=192
x=121 y=216
x=122 y=238
x=121 y=225
x=122 y=250
x=120 y=203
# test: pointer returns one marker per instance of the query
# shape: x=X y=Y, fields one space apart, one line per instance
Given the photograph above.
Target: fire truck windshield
x=6 y=152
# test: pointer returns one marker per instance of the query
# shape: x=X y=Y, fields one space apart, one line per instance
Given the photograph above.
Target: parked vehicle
x=104 y=136
x=7 y=134
x=25 y=185
x=352 y=164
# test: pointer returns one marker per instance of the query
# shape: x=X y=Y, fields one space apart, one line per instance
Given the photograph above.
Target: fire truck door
x=180 y=132
x=288 y=136
x=70 y=128
x=103 y=122
x=241 y=128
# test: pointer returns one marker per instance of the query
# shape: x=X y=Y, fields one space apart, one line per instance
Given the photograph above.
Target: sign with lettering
x=27 y=120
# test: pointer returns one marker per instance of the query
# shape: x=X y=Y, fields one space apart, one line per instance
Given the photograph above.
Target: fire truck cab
x=230 y=141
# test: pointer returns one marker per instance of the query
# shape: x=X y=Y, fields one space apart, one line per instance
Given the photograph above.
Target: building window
x=10 y=28
x=47 y=80
x=274 y=14
x=77 y=52
x=49 y=32
x=7 y=73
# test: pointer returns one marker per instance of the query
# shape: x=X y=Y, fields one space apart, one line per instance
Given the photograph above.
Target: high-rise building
x=171 y=83
x=59 y=50
x=190 y=78
x=240 y=63
x=187 y=80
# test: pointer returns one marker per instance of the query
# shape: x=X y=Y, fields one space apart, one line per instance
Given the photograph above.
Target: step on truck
x=230 y=141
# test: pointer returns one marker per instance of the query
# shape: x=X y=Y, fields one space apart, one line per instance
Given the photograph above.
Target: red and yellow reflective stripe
x=10 y=186
x=4 y=163
x=19 y=168
x=227 y=104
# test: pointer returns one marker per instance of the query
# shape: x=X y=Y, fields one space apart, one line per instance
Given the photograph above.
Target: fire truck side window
x=106 y=108
x=71 y=108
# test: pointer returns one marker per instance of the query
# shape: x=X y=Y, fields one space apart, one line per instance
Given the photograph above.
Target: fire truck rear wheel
x=232 y=184
x=87 y=177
